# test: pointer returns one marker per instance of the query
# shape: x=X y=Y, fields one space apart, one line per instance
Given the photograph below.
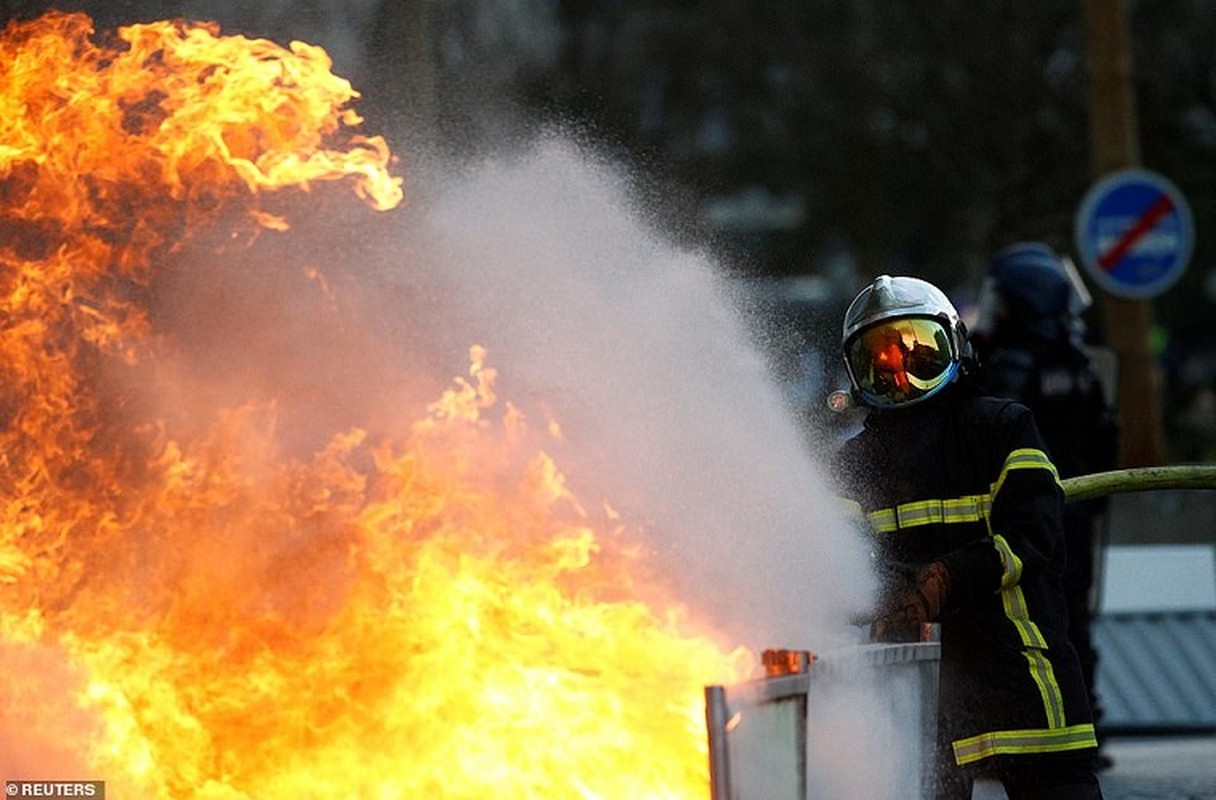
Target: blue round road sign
x=1134 y=233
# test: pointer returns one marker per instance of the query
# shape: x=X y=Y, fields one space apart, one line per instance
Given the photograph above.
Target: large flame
x=201 y=616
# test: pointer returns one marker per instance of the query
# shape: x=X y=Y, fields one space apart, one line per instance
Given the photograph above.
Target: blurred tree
x=917 y=139
x=1174 y=50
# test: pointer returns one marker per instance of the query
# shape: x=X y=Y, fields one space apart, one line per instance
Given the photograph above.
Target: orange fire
x=185 y=611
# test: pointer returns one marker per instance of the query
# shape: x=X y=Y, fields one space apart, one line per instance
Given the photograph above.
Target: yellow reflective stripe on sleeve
x=1025 y=458
x=971 y=508
x=1044 y=675
x=1057 y=740
x=884 y=520
x=1011 y=564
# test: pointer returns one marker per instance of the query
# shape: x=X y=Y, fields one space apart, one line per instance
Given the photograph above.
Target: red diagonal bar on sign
x=1160 y=207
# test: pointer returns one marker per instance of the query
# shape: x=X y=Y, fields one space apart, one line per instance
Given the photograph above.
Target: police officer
x=1029 y=344
x=965 y=507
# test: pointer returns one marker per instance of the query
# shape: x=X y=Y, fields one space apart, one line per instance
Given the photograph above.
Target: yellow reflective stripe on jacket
x=1011 y=565
x=1015 y=609
x=884 y=520
x=1012 y=597
x=1044 y=675
x=1056 y=740
x=971 y=508
x=1025 y=458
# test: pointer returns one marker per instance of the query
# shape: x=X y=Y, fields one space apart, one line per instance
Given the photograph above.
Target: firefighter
x=965 y=508
x=1030 y=347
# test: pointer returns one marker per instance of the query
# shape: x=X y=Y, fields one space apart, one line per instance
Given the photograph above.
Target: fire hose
x=1139 y=479
x=1135 y=479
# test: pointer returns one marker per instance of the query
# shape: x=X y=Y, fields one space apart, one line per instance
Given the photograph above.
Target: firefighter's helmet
x=903 y=342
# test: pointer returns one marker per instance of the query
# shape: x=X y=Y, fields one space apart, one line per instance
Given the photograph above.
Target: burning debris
x=186 y=611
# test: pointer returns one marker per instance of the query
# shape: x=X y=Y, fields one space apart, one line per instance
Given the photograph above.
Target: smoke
x=639 y=350
x=863 y=734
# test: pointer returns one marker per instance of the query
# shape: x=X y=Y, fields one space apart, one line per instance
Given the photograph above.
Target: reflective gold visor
x=900 y=361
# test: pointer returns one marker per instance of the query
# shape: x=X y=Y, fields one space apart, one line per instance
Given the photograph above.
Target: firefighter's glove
x=911 y=603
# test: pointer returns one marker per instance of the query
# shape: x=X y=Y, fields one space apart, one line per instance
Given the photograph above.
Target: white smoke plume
x=640 y=351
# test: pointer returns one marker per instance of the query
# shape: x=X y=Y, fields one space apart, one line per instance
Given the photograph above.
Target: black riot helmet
x=1032 y=285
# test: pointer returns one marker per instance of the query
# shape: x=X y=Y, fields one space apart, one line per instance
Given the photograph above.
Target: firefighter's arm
x=1024 y=527
x=1026 y=518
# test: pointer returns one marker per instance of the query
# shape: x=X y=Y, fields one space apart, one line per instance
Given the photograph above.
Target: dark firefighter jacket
x=964 y=479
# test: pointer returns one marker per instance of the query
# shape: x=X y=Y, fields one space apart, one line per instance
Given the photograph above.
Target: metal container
x=765 y=742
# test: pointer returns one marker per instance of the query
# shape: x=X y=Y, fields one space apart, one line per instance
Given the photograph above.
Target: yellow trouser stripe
x=1056 y=740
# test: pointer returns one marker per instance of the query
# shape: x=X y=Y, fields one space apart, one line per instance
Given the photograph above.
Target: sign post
x=1114 y=146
